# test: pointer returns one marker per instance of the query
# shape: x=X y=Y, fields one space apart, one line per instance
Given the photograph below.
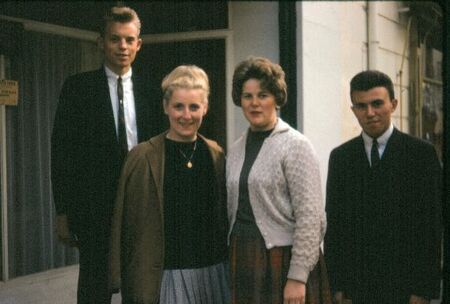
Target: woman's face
x=258 y=105
x=185 y=110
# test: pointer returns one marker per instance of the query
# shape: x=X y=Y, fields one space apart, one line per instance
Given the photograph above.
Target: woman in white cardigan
x=275 y=206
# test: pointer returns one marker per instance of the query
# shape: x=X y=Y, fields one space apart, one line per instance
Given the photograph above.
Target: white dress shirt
x=129 y=109
x=382 y=142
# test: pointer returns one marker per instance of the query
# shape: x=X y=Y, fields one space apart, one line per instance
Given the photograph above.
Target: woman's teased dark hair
x=270 y=75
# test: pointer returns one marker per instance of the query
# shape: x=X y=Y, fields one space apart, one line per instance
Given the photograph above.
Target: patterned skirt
x=259 y=275
x=208 y=285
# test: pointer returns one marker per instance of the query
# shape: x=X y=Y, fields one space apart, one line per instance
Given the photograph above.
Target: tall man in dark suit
x=383 y=206
x=101 y=115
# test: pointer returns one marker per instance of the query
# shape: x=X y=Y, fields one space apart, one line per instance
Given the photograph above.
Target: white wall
x=333 y=50
x=391 y=27
x=255 y=32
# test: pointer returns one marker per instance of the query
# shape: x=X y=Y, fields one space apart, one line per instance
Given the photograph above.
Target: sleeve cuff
x=298 y=273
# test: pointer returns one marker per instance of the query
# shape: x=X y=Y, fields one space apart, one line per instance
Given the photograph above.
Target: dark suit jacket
x=85 y=152
x=384 y=224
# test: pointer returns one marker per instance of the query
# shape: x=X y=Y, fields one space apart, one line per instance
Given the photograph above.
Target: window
x=426 y=59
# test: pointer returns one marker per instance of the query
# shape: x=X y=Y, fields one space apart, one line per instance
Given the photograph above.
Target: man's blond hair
x=122 y=14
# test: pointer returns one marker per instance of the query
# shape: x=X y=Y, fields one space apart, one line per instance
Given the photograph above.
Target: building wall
x=255 y=32
x=392 y=35
x=333 y=38
x=334 y=48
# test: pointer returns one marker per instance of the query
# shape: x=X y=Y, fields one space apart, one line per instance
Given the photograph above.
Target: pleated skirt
x=259 y=275
x=208 y=285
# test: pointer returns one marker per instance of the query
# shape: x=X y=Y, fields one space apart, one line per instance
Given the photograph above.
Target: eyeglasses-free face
x=258 y=106
x=185 y=109
x=373 y=109
x=120 y=45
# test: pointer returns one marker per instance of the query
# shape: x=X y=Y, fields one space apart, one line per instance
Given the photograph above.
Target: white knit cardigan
x=285 y=194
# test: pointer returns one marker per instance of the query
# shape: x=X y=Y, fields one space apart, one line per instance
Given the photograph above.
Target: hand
x=339 y=298
x=294 y=292
x=63 y=232
x=417 y=300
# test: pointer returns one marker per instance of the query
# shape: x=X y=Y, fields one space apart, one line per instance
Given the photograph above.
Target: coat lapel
x=156 y=159
x=214 y=155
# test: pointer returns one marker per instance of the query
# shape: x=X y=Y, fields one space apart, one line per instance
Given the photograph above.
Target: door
x=161 y=58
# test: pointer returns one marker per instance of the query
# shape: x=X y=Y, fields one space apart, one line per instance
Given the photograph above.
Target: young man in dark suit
x=383 y=206
x=101 y=115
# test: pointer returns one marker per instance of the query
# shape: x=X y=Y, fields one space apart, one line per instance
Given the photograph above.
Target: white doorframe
x=30 y=25
x=227 y=35
x=4 y=182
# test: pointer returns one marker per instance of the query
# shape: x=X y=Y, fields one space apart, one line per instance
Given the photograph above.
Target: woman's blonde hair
x=185 y=77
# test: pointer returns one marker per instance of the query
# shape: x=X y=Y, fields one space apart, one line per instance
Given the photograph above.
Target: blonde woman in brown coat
x=169 y=235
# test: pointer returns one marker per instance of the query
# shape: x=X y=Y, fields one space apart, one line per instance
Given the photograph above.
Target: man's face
x=373 y=109
x=120 y=44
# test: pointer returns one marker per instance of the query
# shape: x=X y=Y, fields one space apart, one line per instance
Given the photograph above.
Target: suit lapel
x=105 y=111
x=140 y=106
x=360 y=153
x=393 y=147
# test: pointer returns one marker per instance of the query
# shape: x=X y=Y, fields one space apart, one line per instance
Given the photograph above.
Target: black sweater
x=190 y=195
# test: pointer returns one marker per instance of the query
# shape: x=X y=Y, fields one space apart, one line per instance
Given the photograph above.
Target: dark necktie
x=122 y=129
x=374 y=155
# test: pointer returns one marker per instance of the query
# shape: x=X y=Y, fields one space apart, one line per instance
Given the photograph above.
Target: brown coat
x=137 y=253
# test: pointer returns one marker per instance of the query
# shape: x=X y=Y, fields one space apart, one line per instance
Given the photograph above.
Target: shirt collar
x=382 y=140
x=113 y=76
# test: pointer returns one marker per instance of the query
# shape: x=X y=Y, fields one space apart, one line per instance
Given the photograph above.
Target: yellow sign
x=9 y=92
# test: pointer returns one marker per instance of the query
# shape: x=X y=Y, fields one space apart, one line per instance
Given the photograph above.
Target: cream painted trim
x=4 y=183
x=226 y=34
x=229 y=70
x=229 y=63
x=47 y=28
x=184 y=36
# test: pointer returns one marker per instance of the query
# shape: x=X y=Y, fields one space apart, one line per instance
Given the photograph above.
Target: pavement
x=56 y=286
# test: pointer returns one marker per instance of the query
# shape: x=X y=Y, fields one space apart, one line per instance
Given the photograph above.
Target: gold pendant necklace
x=189 y=164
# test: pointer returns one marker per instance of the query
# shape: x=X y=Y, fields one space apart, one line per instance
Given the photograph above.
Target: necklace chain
x=188 y=159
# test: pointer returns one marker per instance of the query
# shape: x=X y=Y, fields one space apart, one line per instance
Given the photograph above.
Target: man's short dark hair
x=370 y=79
